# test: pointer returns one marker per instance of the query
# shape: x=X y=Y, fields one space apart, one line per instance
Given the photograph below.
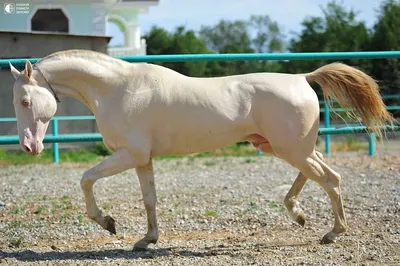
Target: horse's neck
x=85 y=80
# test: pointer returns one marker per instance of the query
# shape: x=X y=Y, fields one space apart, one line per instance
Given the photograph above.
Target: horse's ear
x=14 y=71
x=28 y=69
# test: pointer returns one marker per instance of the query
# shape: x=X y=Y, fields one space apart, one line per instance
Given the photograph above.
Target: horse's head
x=34 y=107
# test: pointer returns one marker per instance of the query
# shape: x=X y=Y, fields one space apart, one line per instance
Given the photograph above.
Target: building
x=78 y=17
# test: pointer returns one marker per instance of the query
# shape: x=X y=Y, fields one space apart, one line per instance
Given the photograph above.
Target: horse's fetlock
x=290 y=202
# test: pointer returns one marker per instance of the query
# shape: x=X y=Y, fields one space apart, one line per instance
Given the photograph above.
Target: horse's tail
x=355 y=89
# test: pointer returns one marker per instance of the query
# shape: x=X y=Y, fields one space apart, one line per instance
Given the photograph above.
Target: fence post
x=327 y=124
x=371 y=144
x=54 y=128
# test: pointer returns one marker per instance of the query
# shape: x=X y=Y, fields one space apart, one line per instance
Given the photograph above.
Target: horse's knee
x=86 y=181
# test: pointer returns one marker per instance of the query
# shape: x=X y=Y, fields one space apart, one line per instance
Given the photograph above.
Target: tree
x=386 y=37
x=182 y=41
x=337 y=30
x=228 y=37
x=258 y=34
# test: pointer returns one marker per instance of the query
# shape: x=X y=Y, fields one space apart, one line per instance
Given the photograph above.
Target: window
x=53 y=20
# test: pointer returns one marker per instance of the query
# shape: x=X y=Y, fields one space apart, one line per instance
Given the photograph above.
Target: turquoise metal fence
x=238 y=57
x=56 y=138
x=371 y=137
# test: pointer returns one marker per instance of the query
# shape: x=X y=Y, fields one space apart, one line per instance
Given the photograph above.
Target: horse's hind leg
x=316 y=169
x=291 y=199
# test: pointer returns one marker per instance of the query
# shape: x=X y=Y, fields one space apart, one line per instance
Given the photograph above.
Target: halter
x=55 y=95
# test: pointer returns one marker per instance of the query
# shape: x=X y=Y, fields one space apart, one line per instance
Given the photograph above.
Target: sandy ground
x=211 y=211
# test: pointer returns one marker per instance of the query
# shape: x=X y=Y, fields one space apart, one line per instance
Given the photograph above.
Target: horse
x=144 y=110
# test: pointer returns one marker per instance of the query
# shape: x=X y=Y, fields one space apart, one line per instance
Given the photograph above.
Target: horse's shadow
x=111 y=254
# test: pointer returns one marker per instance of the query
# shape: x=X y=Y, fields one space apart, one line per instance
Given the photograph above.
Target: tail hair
x=354 y=89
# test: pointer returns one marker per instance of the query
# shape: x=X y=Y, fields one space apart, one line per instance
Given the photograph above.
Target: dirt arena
x=211 y=211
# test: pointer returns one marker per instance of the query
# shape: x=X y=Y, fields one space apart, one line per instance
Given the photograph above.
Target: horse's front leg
x=121 y=160
x=147 y=185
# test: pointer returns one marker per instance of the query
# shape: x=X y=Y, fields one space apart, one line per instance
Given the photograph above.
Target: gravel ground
x=211 y=211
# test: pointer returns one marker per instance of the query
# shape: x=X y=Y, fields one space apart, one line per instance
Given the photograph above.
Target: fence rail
x=237 y=57
x=327 y=130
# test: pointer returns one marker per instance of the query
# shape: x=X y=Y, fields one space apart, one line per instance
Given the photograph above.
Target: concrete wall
x=84 y=18
x=33 y=45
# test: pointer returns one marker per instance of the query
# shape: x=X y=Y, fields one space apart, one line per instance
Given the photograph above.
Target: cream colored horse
x=145 y=110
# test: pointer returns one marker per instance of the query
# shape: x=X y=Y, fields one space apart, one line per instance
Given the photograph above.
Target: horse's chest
x=112 y=133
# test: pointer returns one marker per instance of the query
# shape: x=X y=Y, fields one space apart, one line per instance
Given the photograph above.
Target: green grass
x=99 y=152
x=212 y=213
x=16 y=242
x=210 y=163
x=18 y=157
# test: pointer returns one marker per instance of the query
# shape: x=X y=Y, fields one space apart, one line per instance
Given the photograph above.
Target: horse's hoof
x=138 y=248
x=328 y=239
x=143 y=243
x=301 y=220
x=110 y=225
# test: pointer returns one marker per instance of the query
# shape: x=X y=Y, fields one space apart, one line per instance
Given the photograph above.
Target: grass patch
x=273 y=205
x=16 y=243
x=212 y=213
x=351 y=144
x=80 y=218
x=210 y=163
x=65 y=216
x=40 y=209
x=14 y=224
x=17 y=211
x=249 y=160
x=99 y=152
x=252 y=206
x=46 y=157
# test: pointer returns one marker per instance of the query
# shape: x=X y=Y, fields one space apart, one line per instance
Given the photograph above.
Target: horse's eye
x=25 y=103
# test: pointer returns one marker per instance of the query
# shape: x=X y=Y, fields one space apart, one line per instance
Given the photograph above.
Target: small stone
x=53 y=247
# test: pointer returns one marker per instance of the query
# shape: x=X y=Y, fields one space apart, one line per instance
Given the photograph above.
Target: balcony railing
x=126 y=51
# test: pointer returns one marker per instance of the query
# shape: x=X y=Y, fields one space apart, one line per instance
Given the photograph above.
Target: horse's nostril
x=27 y=149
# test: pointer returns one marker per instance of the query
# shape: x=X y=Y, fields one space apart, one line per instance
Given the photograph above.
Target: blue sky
x=193 y=13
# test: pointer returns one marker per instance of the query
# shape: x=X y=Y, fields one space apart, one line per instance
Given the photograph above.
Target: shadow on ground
x=112 y=254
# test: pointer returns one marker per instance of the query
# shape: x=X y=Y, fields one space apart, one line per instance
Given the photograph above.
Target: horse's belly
x=183 y=142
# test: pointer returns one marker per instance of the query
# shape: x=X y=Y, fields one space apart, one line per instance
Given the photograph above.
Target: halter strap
x=55 y=95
